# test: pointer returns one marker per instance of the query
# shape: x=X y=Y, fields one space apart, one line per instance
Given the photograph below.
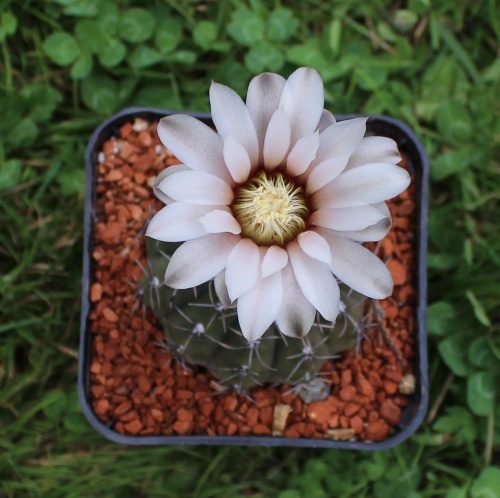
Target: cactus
x=201 y=331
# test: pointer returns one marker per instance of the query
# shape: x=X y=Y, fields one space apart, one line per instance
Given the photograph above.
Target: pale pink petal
x=340 y=139
x=274 y=260
x=303 y=100
x=372 y=233
x=277 y=139
x=363 y=185
x=315 y=246
x=243 y=268
x=196 y=187
x=193 y=143
x=221 y=289
x=219 y=221
x=263 y=97
x=323 y=173
x=358 y=267
x=303 y=152
x=178 y=222
x=316 y=282
x=197 y=261
x=237 y=160
x=327 y=119
x=296 y=315
x=375 y=150
x=170 y=170
x=351 y=218
x=257 y=309
x=232 y=119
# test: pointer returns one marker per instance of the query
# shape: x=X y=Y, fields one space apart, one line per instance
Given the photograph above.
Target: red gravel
x=135 y=383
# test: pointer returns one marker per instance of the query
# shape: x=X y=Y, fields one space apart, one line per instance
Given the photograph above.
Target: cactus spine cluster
x=199 y=330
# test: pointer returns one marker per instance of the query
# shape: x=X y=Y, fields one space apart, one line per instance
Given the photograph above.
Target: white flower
x=276 y=204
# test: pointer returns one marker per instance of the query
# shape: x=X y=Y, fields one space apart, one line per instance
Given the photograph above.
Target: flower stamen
x=270 y=209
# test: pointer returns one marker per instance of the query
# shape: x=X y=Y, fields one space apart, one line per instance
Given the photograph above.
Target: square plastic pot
x=412 y=415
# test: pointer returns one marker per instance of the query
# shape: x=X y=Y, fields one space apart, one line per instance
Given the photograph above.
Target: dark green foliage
x=200 y=331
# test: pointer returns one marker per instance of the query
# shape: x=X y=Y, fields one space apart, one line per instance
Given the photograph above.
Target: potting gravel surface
x=138 y=387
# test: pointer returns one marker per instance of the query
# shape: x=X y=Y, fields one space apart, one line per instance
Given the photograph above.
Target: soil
x=138 y=388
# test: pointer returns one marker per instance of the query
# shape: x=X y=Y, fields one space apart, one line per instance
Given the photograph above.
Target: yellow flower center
x=270 y=209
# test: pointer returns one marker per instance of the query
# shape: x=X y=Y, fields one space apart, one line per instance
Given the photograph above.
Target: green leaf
x=281 y=25
x=62 y=48
x=334 y=35
x=112 y=53
x=481 y=393
x=99 y=93
x=264 y=57
x=10 y=173
x=477 y=307
x=168 y=34
x=487 y=485
x=144 y=56
x=82 y=8
x=453 y=350
x=8 y=24
x=90 y=35
x=454 y=122
x=451 y=163
x=204 y=34
x=136 y=25
x=457 y=493
x=481 y=354
x=82 y=66
x=187 y=57
x=458 y=422
x=246 y=27
x=23 y=133
x=439 y=316
x=108 y=17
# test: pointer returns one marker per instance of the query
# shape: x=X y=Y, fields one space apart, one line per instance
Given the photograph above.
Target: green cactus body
x=199 y=330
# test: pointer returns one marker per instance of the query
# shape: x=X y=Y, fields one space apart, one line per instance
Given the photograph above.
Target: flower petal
x=323 y=173
x=257 y=309
x=197 y=261
x=303 y=100
x=296 y=315
x=221 y=289
x=178 y=222
x=237 y=160
x=219 y=221
x=316 y=282
x=194 y=144
x=263 y=97
x=315 y=246
x=274 y=260
x=351 y=218
x=340 y=139
x=363 y=185
x=277 y=139
x=302 y=153
x=170 y=170
x=372 y=233
x=242 y=269
x=231 y=118
x=196 y=187
x=327 y=119
x=358 y=267
x=375 y=150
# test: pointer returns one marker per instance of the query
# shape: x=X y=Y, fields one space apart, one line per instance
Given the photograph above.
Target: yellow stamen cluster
x=270 y=209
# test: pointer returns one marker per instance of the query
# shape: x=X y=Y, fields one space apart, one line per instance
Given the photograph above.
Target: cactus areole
x=271 y=209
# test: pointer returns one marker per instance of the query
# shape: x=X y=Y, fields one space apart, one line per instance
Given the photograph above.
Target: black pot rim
x=415 y=412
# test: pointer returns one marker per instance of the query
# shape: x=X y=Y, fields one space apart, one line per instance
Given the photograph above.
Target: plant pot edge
x=413 y=148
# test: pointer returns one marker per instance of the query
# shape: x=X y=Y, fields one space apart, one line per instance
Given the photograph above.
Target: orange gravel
x=135 y=383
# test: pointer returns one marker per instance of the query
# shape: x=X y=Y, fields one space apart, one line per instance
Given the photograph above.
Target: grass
x=434 y=66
